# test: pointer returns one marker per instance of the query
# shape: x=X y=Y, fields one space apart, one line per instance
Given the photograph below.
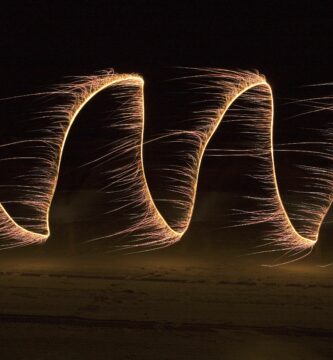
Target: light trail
x=151 y=229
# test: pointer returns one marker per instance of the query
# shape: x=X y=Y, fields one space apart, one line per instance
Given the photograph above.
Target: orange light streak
x=155 y=231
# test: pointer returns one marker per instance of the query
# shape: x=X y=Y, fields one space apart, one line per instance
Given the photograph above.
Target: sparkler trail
x=149 y=227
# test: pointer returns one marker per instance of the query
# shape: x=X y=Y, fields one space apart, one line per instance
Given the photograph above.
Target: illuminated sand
x=173 y=305
x=150 y=228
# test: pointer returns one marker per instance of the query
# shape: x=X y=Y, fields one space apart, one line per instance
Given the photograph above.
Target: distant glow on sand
x=153 y=229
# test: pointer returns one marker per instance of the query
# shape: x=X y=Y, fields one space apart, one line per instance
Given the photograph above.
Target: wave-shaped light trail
x=154 y=230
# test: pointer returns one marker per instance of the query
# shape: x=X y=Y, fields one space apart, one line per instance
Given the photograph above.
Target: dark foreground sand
x=163 y=306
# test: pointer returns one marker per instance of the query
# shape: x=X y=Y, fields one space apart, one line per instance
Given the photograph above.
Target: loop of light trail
x=154 y=231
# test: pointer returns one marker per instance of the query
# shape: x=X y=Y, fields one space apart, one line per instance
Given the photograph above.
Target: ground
x=163 y=305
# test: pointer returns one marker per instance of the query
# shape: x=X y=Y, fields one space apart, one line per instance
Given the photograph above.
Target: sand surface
x=163 y=306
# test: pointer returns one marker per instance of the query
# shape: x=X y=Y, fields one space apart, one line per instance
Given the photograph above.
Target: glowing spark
x=149 y=226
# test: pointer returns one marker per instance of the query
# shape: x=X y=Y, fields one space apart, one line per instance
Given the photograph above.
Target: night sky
x=289 y=42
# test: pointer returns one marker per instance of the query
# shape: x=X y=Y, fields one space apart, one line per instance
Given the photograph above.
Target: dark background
x=289 y=42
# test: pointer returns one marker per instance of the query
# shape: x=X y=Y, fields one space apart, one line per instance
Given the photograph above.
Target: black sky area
x=42 y=41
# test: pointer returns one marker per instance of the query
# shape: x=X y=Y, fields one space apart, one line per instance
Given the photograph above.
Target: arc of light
x=160 y=232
